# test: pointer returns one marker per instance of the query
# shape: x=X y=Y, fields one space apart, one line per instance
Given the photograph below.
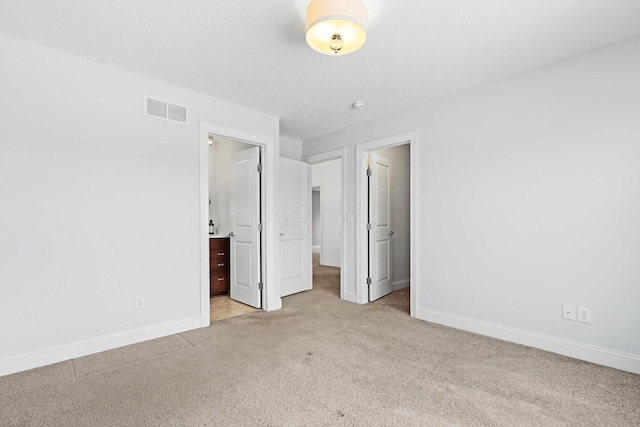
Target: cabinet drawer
x=219 y=244
x=219 y=266
x=219 y=282
x=222 y=264
x=217 y=256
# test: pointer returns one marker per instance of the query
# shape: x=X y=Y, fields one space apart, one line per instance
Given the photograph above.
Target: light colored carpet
x=322 y=361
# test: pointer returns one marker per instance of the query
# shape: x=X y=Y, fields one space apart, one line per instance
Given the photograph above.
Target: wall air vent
x=165 y=110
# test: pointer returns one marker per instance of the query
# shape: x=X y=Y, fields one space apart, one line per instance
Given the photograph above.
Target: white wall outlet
x=569 y=311
x=138 y=303
x=584 y=314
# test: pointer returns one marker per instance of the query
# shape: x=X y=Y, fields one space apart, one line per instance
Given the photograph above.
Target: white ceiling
x=253 y=52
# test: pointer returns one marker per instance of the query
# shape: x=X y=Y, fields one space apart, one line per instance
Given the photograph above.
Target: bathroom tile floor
x=223 y=307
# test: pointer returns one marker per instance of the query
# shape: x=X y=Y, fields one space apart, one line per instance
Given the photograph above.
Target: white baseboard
x=330 y=262
x=590 y=353
x=315 y=249
x=401 y=284
x=60 y=353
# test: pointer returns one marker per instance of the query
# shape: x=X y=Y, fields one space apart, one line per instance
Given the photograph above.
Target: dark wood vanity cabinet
x=218 y=266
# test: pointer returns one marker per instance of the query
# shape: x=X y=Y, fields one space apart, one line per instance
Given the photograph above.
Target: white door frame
x=271 y=292
x=362 y=151
x=320 y=158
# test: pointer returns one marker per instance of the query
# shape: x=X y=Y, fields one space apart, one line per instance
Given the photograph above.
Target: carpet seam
x=134 y=363
x=73 y=370
x=185 y=340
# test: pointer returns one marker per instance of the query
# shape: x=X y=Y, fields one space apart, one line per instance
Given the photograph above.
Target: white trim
x=350 y=296
x=315 y=249
x=329 y=262
x=270 y=167
x=205 y=313
x=401 y=284
x=60 y=353
x=362 y=150
x=322 y=246
x=323 y=157
x=590 y=353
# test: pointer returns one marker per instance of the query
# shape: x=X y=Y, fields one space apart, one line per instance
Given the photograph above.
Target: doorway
x=328 y=206
x=269 y=293
x=385 y=244
x=316 y=221
x=234 y=237
x=389 y=216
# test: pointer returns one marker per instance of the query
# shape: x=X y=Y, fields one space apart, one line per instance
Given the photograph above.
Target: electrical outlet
x=569 y=311
x=584 y=314
x=139 y=302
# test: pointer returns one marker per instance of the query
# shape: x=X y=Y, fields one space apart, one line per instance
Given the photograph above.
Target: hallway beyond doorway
x=328 y=278
x=325 y=277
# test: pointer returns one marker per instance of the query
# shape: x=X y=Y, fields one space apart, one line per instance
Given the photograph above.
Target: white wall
x=326 y=175
x=316 y=219
x=290 y=148
x=400 y=215
x=98 y=204
x=220 y=154
x=529 y=197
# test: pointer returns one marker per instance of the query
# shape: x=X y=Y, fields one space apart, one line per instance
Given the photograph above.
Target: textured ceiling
x=253 y=52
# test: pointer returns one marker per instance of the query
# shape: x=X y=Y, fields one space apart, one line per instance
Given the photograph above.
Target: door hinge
x=259 y=168
x=368 y=280
x=368 y=227
x=369 y=172
x=259 y=227
x=260 y=285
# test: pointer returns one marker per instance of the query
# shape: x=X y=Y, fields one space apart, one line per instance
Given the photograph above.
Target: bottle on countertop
x=211 y=227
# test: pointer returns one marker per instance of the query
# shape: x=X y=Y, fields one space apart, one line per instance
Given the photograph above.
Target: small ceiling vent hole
x=165 y=110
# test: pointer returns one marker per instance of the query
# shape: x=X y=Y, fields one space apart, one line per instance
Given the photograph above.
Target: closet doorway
x=387 y=225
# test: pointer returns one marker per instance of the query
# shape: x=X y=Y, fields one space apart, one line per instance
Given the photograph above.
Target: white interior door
x=380 y=232
x=295 y=221
x=244 y=199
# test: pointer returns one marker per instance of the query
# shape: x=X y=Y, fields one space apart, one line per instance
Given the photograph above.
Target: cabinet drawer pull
x=220 y=264
x=220 y=253
x=220 y=279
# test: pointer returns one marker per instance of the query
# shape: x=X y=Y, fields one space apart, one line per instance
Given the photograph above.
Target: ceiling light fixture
x=336 y=27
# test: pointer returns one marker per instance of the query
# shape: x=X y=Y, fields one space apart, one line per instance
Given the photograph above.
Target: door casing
x=362 y=152
x=271 y=276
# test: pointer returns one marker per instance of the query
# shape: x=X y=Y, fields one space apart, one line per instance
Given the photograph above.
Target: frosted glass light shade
x=329 y=18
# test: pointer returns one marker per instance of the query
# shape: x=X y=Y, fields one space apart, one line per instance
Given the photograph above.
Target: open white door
x=295 y=221
x=244 y=199
x=380 y=227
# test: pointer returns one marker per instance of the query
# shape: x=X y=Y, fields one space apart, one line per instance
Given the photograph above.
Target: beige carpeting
x=322 y=361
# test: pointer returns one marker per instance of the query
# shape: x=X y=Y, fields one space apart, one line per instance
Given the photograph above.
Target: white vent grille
x=165 y=110
x=178 y=113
